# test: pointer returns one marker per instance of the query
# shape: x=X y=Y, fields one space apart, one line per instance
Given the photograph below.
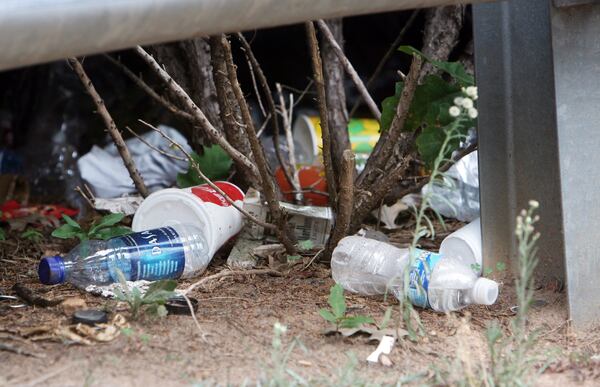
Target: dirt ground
x=238 y=314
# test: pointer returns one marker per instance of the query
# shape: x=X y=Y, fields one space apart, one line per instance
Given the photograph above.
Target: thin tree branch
x=345 y=203
x=268 y=185
x=322 y=102
x=150 y=91
x=230 y=273
x=350 y=70
x=111 y=127
x=156 y=149
x=195 y=111
x=196 y=167
x=270 y=104
x=388 y=55
x=389 y=139
x=287 y=127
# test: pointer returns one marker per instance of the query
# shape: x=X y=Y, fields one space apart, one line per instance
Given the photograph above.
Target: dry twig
x=350 y=70
x=387 y=56
x=287 y=127
x=229 y=273
x=111 y=127
x=345 y=203
x=195 y=111
x=150 y=91
x=208 y=181
x=389 y=139
x=283 y=233
x=270 y=104
x=321 y=99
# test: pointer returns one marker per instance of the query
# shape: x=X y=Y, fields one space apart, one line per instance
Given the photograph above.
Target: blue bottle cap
x=51 y=270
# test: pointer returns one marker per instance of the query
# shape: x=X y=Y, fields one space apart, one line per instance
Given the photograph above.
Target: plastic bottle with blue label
x=444 y=284
x=162 y=253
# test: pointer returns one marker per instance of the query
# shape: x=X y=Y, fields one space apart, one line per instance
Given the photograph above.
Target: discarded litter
x=168 y=252
x=178 y=305
x=105 y=172
x=201 y=206
x=307 y=222
x=369 y=267
x=384 y=348
x=465 y=244
x=127 y=205
x=459 y=190
x=90 y=317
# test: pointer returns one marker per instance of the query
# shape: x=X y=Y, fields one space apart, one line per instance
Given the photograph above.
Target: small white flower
x=534 y=204
x=471 y=91
x=467 y=103
x=458 y=101
x=473 y=113
x=279 y=328
x=454 y=111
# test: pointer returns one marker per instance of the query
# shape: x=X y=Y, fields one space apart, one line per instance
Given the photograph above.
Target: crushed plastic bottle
x=162 y=253
x=444 y=284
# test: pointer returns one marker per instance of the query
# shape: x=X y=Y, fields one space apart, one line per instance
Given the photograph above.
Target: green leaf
x=168 y=285
x=127 y=331
x=70 y=221
x=110 y=232
x=388 y=111
x=119 y=295
x=2 y=235
x=161 y=311
x=455 y=69
x=355 y=321
x=500 y=266
x=214 y=163
x=327 y=315
x=32 y=234
x=387 y=317
x=426 y=102
x=337 y=301
x=106 y=221
x=429 y=143
x=66 y=231
x=157 y=297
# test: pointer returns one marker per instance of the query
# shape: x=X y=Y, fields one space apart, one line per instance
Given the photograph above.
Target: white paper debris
x=385 y=347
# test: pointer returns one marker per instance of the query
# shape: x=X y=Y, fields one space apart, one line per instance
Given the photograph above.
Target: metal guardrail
x=37 y=31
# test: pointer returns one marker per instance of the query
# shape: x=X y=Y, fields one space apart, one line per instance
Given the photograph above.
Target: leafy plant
x=429 y=110
x=105 y=228
x=337 y=314
x=32 y=235
x=2 y=234
x=152 y=302
x=214 y=163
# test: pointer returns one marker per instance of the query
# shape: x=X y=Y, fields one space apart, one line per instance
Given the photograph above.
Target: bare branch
x=150 y=91
x=287 y=127
x=195 y=111
x=111 y=127
x=270 y=104
x=350 y=70
x=162 y=152
x=196 y=167
x=322 y=101
x=268 y=185
x=345 y=203
x=389 y=139
x=393 y=49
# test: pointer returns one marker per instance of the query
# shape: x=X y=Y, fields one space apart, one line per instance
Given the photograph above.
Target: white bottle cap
x=485 y=291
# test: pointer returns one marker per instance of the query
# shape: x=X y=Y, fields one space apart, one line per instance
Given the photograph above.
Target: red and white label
x=209 y=195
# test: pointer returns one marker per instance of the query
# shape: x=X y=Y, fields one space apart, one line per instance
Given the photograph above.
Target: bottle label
x=155 y=254
x=420 y=274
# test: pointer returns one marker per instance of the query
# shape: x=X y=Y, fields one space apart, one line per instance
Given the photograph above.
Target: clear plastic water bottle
x=369 y=267
x=162 y=253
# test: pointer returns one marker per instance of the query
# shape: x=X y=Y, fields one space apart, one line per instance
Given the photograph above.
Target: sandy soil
x=238 y=314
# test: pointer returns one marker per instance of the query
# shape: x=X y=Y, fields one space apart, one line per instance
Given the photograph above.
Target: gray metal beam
x=539 y=84
x=36 y=31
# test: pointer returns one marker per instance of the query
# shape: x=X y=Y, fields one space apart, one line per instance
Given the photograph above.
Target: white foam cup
x=200 y=205
x=465 y=244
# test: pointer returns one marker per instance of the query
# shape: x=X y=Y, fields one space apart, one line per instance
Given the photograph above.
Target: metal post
x=539 y=80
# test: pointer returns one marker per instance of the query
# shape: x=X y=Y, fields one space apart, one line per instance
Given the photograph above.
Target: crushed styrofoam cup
x=200 y=205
